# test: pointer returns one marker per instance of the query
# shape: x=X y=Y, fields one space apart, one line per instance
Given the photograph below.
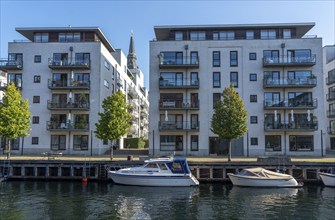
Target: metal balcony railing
x=290 y=104
x=6 y=64
x=185 y=61
x=178 y=125
x=330 y=80
x=331 y=113
x=179 y=104
x=291 y=126
x=289 y=61
x=68 y=105
x=309 y=82
x=178 y=84
x=68 y=64
x=330 y=96
x=68 y=84
x=67 y=126
x=331 y=130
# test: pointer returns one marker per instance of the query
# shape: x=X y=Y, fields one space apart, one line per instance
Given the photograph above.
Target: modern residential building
x=329 y=73
x=275 y=68
x=66 y=73
x=3 y=83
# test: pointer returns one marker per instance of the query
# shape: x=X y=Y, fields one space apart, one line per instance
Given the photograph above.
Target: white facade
x=191 y=65
x=66 y=73
x=329 y=76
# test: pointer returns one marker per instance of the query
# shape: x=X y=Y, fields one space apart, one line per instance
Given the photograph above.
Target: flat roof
x=162 y=32
x=28 y=32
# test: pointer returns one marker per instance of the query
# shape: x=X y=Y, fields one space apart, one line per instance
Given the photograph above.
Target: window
x=272 y=99
x=216 y=80
x=253 y=77
x=298 y=99
x=299 y=56
x=253 y=98
x=82 y=58
x=234 y=78
x=252 y=56
x=249 y=35
x=178 y=35
x=271 y=56
x=301 y=142
x=106 y=83
x=14 y=143
x=15 y=78
x=81 y=121
x=36 y=99
x=37 y=79
x=268 y=34
x=171 y=58
x=233 y=58
x=272 y=143
x=216 y=58
x=171 y=143
x=287 y=33
x=34 y=140
x=41 y=37
x=254 y=141
x=253 y=119
x=216 y=98
x=36 y=119
x=194 y=57
x=37 y=58
x=194 y=142
x=80 y=142
x=227 y=35
x=105 y=142
x=198 y=35
x=69 y=37
x=58 y=142
x=106 y=64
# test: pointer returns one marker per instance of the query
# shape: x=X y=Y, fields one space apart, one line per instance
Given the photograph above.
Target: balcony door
x=272 y=99
x=60 y=79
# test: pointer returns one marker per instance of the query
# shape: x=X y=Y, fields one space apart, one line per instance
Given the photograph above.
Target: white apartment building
x=275 y=68
x=66 y=73
x=329 y=73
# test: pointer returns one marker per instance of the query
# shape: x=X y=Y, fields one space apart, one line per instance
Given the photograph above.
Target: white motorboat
x=156 y=172
x=328 y=178
x=260 y=177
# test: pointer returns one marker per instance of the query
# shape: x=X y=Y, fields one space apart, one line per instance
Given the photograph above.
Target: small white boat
x=260 y=177
x=328 y=178
x=156 y=172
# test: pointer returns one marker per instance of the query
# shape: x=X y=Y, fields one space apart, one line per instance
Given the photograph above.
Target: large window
x=58 y=142
x=272 y=99
x=272 y=143
x=298 y=56
x=60 y=59
x=249 y=35
x=82 y=58
x=233 y=58
x=171 y=143
x=80 y=142
x=287 y=33
x=272 y=77
x=15 y=78
x=268 y=34
x=41 y=37
x=216 y=98
x=171 y=79
x=194 y=142
x=198 y=35
x=216 y=58
x=69 y=37
x=301 y=142
x=234 y=78
x=171 y=58
x=216 y=80
x=178 y=35
x=296 y=99
x=14 y=143
x=224 y=35
x=271 y=56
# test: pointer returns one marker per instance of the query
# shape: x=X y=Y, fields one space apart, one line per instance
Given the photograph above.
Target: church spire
x=131 y=58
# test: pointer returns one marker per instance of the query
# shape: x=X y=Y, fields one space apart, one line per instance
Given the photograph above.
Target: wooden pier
x=205 y=171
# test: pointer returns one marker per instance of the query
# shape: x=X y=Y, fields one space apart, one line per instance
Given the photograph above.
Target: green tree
x=14 y=116
x=114 y=121
x=230 y=117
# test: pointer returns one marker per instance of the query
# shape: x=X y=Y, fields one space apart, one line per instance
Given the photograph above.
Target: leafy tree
x=114 y=121
x=230 y=117
x=14 y=116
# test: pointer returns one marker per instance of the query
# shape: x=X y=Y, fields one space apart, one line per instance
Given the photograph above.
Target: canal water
x=75 y=200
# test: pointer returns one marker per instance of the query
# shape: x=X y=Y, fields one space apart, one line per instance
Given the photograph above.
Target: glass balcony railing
x=6 y=64
x=291 y=126
x=68 y=105
x=331 y=113
x=179 y=104
x=175 y=84
x=68 y=84
x=330 y=96
x=185 y=61
x=178 y=126
x=289 y=61
x=68 y=64
x=309 y=82
x=67 y=126
x=290 y=104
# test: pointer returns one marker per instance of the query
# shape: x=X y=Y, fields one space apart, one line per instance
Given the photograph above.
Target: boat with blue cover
x=168 y=171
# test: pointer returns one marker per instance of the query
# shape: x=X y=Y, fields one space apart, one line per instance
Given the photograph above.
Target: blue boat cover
x=179 y=165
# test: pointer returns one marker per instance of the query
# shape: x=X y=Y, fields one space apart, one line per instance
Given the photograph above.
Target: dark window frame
x=251 y=75
x=34 y=140
x=254 y=141
x=233 y=58
x=253 y=98
x=231 y=77
x=36 y=120
x=253 y=119
x=37 y=78
x=217 y=82
x=36 y=99
x=37 y=59
x=252 y=56
x=216 y=59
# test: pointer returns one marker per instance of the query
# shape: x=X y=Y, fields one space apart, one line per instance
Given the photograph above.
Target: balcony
x=71 y=84
x=66 y=64
x=290 y=104
x=4 y=85
x=132 y=92
x=177 y=104
x=289 y=61
x=85 y=106
x=330 y=96
x=66 y=126
x=179 y=84
x=330 y=80
x=183 y=62
x=178 y=126
x=331 y=130
x=289 y=83
x=291 y=126
x=331 y=113
x=6 y=64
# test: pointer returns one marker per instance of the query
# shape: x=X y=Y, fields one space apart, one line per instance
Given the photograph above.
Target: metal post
x=153 y=142
x=247 y=144
x=91 y=142
x=321 y=143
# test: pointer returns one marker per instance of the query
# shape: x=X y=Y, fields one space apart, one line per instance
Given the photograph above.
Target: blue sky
x=118 y=18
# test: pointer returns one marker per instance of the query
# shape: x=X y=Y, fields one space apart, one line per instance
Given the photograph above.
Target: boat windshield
x=162 y=166
x=151 y=165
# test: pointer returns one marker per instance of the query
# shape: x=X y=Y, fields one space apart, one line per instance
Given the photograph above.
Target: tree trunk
x=112 y=152
x=8 y=150
x=229 y=150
